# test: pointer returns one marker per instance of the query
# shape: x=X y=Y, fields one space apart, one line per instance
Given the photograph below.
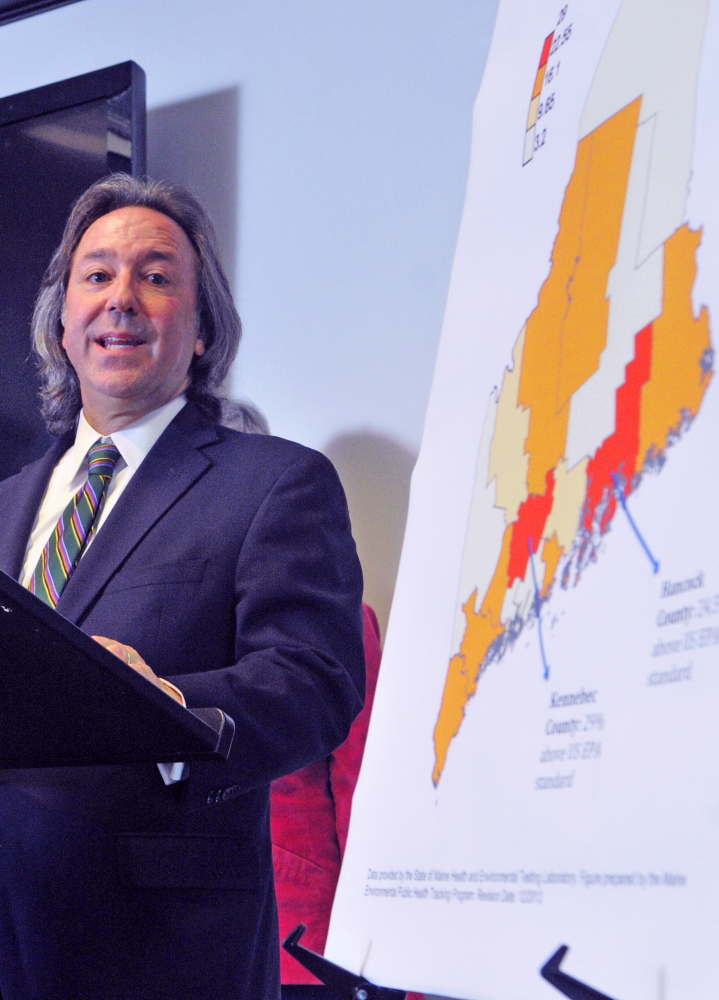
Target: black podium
x=67 y=701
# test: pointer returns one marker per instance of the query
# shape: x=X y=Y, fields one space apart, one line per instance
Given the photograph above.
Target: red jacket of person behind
x=310 y=819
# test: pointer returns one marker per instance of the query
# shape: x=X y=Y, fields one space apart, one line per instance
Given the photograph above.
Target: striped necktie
x=74 y=529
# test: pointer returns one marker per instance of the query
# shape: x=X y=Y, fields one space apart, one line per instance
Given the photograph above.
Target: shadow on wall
x=375 y=472
x=196 y=142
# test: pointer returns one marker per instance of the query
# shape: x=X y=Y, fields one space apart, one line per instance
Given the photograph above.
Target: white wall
x=331 y=139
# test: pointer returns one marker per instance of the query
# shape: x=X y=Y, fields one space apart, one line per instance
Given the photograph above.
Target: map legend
x=534 y=103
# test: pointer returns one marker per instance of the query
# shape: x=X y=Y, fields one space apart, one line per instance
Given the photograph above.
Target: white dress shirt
x=134 y=443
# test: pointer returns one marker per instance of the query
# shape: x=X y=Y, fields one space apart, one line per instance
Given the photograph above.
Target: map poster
x=543 y=760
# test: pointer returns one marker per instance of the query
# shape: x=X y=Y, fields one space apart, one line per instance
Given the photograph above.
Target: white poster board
x=543 y=761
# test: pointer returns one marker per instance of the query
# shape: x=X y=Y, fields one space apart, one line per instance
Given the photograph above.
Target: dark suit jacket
x=229 y=565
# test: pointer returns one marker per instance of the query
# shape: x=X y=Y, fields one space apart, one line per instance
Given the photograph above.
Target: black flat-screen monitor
x=54 y=142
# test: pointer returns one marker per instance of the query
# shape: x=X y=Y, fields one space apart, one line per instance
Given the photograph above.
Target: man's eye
x=97 y=277
x=157 y=279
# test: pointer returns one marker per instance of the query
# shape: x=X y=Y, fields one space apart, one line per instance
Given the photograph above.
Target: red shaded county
x=618 y=453
x=533 y=514
x=545 y=50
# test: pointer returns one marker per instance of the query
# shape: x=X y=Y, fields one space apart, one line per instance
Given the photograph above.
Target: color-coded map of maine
x=557 y=485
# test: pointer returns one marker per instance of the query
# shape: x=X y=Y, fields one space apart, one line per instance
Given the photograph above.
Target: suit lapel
x=20 y=499
x=171 y=468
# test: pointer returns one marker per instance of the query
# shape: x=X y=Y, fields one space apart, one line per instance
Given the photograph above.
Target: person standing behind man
x=220 y=566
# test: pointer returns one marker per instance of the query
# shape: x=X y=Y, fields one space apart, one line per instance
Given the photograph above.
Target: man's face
x=130 y=314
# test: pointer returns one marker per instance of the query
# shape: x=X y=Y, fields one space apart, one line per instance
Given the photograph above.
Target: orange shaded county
x=551 y=554
x=483 y=627
x=565 y=336
x=567 y=331
x=681 y=352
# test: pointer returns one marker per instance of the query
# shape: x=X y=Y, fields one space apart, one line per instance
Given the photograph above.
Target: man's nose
x=122 y=297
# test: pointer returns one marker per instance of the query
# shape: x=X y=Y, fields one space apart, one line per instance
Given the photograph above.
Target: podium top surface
x=65 y=700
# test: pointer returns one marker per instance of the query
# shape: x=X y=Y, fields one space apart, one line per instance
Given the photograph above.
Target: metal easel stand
x=351 y=987
x=345 y=984
x=570 y=987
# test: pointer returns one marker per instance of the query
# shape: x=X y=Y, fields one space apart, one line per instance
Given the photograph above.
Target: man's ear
x=199 y=347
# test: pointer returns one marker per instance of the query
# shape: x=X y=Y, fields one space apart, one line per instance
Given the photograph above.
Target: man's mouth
x=117 y=341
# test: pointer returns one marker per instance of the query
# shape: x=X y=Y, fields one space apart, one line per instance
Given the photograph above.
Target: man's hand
x=133 y=659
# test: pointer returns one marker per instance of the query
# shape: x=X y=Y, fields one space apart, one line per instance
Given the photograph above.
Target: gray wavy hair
x=242 y=415
x=218 y=322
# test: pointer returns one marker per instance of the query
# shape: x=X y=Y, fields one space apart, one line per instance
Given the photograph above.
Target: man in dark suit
x=218 y=564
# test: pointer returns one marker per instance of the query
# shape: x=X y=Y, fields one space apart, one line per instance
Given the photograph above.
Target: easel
x=352 y=987
x=572 y=988
x=345 y=984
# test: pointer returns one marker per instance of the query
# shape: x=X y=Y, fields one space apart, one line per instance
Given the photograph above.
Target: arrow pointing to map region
x=623 y=501
x=538 y=606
